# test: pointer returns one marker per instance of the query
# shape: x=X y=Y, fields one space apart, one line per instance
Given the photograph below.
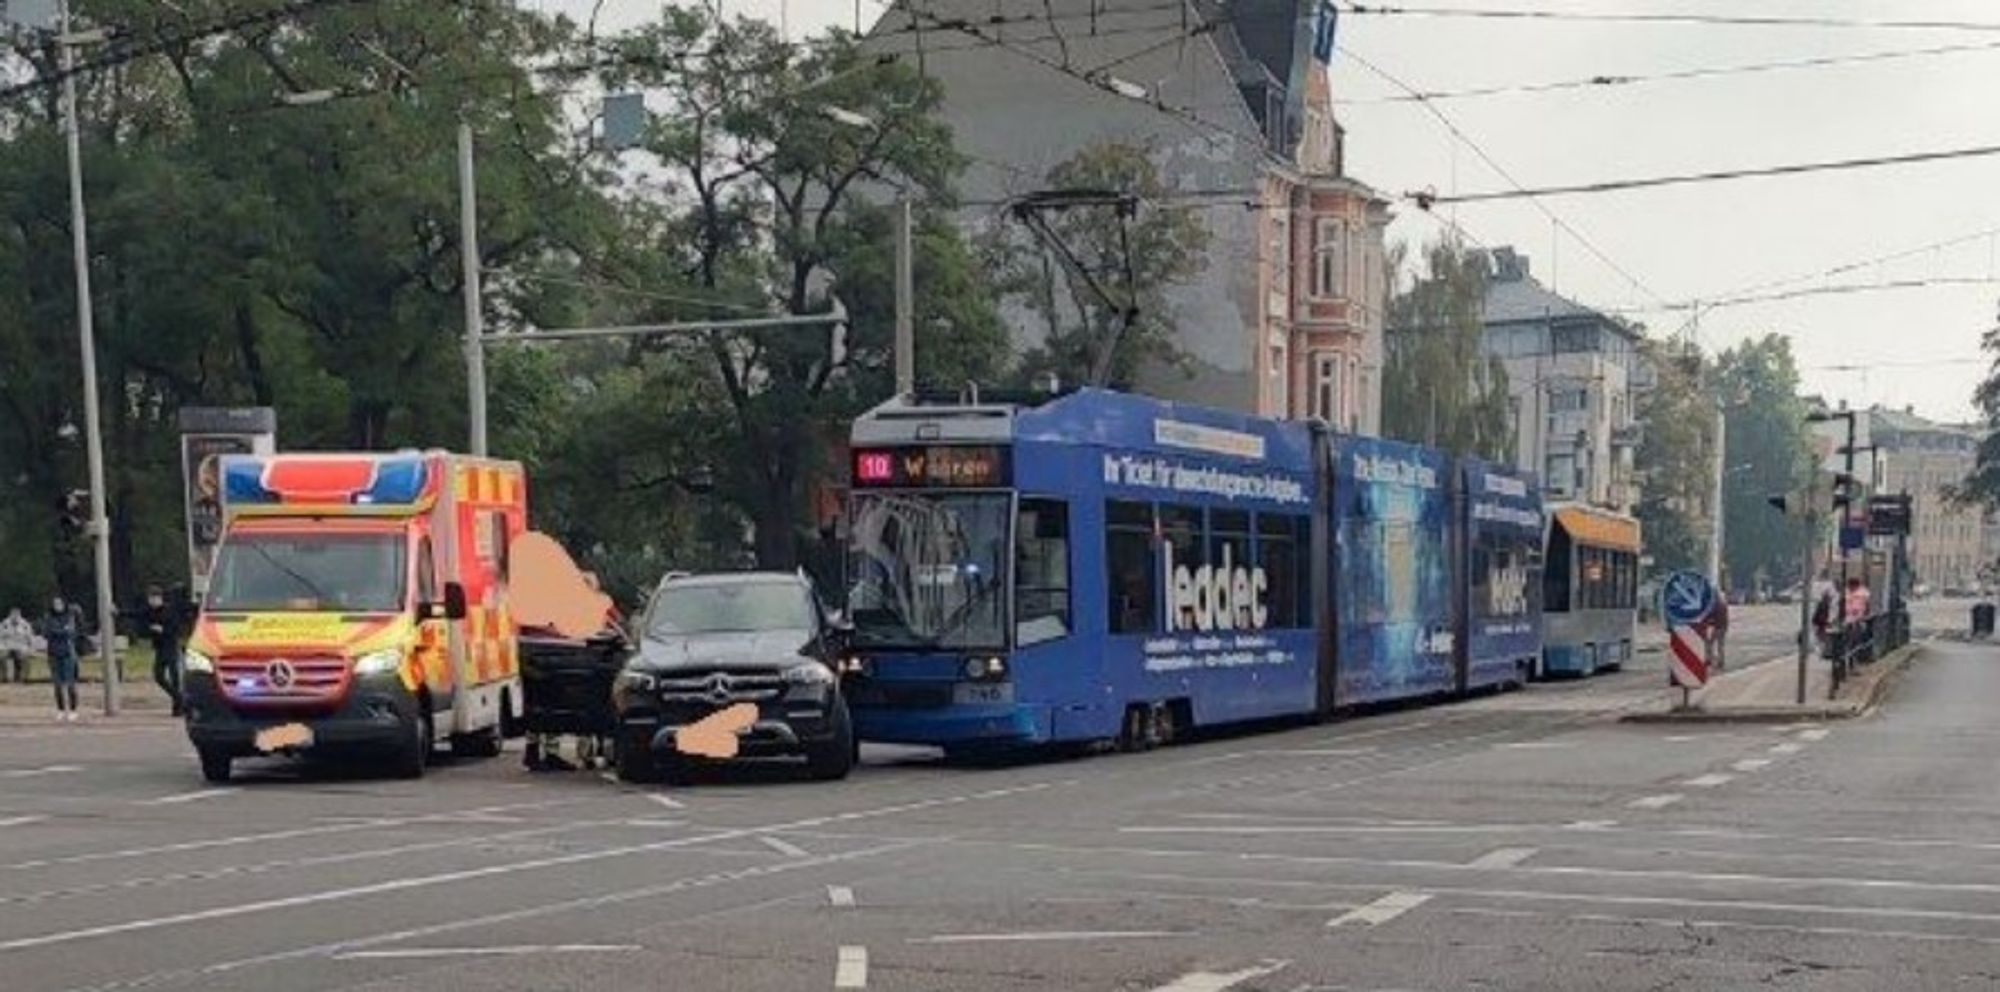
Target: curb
x=1890 y=668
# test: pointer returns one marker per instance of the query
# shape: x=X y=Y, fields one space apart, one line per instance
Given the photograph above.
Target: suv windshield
x=342 y=573
x=929 y=570
x=728 y=607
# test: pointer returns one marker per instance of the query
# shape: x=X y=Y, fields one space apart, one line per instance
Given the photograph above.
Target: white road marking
x=188 y=797
x=1333 y=828
x=1661 y=801
x=611 y=777
x=1505 y=857
x=471 y=952
x=644 y=821
x=850 y=971
x=1051 y=935
x=785 y=847
x=1788 y=747
x=1381 y=910
x=1710 y=781
x=839 y=895
x=1681 y=738
x=349 y=826
x=37 y=772
x=20 y=821
x=1815 y=734
x=1536 y=745
x=1680 y=922
x=492 y=871
x=532 y=912
x=1751 y=764
x=666 y=800
x=1209 y=981
x=1590 y=824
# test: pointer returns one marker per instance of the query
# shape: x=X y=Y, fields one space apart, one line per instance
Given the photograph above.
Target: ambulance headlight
x=195 y=661
x=383 y=662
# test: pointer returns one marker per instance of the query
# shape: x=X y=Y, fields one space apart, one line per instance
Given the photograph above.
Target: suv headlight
x=809 y=674
x=636 y=681
x=381 y=662
x=195 y=661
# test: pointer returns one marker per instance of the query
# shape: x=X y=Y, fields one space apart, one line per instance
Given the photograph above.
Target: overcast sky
x=1699 y=242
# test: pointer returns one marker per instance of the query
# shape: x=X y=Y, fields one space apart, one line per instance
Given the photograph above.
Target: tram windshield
x=929 y=570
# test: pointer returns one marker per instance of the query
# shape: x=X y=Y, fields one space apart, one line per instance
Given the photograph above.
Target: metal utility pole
x=468 y=241
x=1805 y=593
x=906 y=357
x=100 y=523
x=1715 y=496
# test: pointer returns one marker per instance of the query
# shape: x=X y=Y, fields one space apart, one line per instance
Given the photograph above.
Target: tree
x=1675 y=460
x=1765 y=418
x=773 y=160
x=1439 y=387
x=1981 y=487
x=1101 y=289
x=248 y=251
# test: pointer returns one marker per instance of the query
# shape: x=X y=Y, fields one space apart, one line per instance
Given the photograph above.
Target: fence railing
x=1863 y=641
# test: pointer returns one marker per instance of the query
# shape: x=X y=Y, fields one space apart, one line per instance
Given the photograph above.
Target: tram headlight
x=986 y=667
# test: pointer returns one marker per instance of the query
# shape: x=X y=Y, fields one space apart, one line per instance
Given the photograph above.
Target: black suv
x=708 y=642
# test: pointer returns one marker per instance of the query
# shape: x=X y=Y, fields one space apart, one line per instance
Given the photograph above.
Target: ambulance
x=358 y=606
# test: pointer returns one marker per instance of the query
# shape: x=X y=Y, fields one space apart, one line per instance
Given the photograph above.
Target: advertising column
x=208 y=433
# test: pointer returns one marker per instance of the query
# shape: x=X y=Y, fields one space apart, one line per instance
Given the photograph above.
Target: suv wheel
x=834 y=759
x=634 y=746
x=214 y=765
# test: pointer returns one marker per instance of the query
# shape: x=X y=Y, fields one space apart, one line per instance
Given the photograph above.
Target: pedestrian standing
x=165 y=627
x=17 y=641
x=63 y=629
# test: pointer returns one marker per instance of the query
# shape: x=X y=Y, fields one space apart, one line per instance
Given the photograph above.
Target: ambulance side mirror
x=454 y=602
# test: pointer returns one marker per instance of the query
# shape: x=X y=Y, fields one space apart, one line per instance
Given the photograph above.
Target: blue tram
x=1098 y=566
x=1590 y=590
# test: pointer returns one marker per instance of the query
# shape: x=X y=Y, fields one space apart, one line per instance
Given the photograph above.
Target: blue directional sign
x=1687 y=599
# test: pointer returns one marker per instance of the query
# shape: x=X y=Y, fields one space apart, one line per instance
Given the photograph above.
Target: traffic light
x=1846 y=490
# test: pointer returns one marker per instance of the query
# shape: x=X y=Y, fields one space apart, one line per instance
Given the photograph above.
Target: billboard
x=207 y=434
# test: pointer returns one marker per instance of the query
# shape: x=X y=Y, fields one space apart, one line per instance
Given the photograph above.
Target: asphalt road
x=1524 y=841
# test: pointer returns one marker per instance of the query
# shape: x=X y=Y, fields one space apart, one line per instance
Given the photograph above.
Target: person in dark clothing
x=166 y=627
x=62 y=629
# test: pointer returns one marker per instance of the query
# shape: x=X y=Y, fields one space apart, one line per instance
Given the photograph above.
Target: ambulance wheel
x=215 y=765
x=484 y=744
x=415 y=753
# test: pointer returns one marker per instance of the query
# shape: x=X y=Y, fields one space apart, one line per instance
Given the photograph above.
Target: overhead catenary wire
x=1616 y=80
x=1426 y=199
x=1668 y=18
x=1476 y=148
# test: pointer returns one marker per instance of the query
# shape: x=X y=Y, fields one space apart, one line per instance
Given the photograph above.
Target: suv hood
x=761 y=649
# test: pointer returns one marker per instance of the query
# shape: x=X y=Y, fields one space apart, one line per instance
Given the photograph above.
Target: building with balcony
x=1232 y=104
x=1575 y=378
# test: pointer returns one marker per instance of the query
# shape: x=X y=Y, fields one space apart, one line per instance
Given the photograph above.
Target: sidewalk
x=1768 y=692
x=33 y=704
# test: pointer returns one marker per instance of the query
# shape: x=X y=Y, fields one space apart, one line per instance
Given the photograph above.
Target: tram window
x=1280 y=544
x=1041 y=574
x=1130 y=567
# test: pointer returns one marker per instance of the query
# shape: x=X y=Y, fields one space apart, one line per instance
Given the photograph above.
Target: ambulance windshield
x=341 y=573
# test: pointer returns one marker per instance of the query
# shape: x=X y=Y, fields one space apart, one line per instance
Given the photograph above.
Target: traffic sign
x=1687 y=599
x=1687 y=659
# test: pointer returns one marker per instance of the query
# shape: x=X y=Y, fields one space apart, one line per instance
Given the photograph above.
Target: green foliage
x=1103 y=336
x=1438 y=386
x=1758 y=381
x=1982 y=486
x=1675 y=460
